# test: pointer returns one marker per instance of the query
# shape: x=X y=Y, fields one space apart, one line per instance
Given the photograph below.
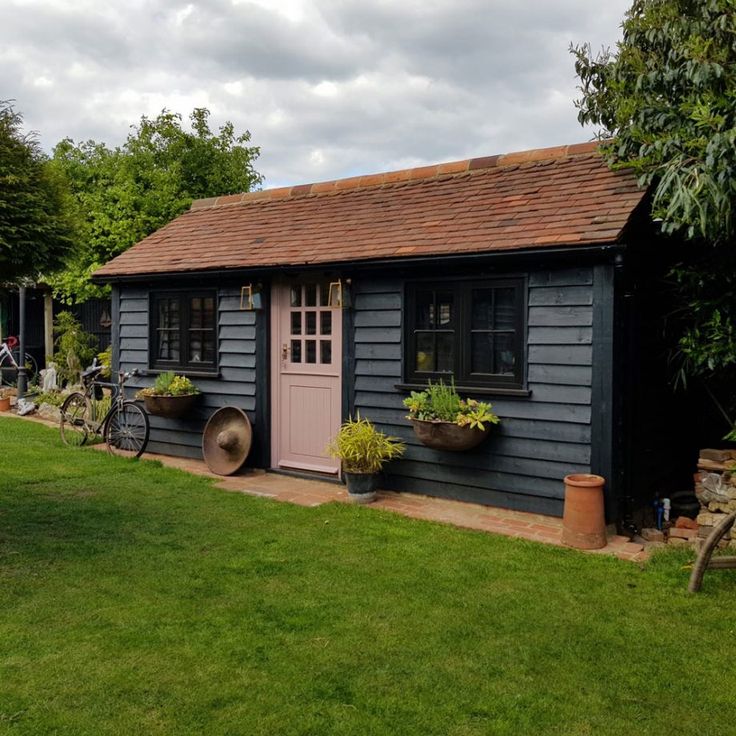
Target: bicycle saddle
x=91 y=372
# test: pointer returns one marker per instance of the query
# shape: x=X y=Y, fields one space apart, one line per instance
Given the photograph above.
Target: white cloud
x=328 y=88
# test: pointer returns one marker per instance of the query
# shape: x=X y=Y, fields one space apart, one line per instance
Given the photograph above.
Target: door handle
x=284 y=352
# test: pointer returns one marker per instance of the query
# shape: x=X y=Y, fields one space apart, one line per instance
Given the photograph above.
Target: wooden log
x=702 y=563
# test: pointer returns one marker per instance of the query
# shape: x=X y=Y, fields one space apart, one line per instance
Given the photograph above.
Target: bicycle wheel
x=75 y=415
x=126 y=430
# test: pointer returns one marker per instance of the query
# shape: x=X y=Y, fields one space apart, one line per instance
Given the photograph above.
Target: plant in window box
x=444 y=421
x=170 y=396
x=363 y=451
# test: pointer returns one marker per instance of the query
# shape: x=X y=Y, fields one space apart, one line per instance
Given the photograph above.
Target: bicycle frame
x=6 y=353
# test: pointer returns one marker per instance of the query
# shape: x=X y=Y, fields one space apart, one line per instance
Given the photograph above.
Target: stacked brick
x=715 y=488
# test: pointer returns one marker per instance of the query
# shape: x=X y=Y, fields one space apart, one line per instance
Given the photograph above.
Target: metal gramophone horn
x=226 y=440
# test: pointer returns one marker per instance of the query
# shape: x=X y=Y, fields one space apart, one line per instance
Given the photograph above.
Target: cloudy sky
x=328 y=88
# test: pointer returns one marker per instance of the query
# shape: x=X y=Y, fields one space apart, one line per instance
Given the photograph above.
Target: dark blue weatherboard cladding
x=236 y=385
x=541 y=438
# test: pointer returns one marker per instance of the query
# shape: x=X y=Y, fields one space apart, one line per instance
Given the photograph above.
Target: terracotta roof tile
x=529 y=199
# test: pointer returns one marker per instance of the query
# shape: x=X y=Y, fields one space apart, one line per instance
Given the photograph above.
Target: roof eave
x=612 y=247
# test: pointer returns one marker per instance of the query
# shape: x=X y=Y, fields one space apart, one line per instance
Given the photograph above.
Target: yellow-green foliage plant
x=362 y=448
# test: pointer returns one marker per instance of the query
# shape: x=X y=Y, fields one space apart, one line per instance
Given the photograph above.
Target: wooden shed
x=306 y=304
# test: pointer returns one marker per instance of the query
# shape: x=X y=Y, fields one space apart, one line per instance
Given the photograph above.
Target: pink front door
x=306 y=356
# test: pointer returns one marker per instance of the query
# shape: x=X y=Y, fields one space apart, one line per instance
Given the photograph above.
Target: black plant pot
x=362 y=487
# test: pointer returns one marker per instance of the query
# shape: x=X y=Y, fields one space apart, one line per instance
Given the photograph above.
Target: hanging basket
x=172 y=407
x=448 y=435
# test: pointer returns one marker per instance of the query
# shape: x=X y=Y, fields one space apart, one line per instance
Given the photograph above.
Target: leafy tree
x=665 y=106
x=123 y=194
x=35 y=232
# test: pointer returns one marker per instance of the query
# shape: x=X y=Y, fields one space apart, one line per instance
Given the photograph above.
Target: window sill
x=181 y=372
x=521 y=393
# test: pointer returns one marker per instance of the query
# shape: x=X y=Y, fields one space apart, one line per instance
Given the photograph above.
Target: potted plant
x=170 y=396
x=4 y=399
x=444 y=421
x=363 y=450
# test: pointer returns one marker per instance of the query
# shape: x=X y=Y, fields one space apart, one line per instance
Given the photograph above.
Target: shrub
x=75 y=348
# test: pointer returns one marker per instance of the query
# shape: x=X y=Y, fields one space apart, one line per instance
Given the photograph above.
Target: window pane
x=296 y=323
x=168 y=345
x=296 y=296
x=201 y=346
x=311 y=351
x=324 y=295
x=504 y=353
x=445 y=352
x=325 y=351
x=195 y=347
x=481 y=352
x=504 y=309
x=296 y=351
x=425 y=310
x=444 y=314
x=325 y=323
x=168 y=313
x=482 y=309
x=310 y=323
x=310 y=295
x=424 y=361
x=195 y=312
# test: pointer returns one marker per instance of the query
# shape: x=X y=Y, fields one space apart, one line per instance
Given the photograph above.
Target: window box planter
x=172 y=407
x=448 y=435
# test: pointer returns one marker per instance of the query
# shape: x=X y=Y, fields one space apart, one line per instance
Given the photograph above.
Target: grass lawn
x=136 y=599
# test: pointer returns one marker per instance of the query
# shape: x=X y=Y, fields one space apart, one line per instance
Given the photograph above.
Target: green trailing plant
x=75 y=348
x=169 y=384
x=442 y=403
x=362 y=448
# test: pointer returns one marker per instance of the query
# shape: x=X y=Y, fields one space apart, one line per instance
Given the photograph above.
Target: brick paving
x=309 y=492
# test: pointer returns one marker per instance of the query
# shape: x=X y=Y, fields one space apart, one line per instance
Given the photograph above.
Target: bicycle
x=9 y=357
x=124 y=427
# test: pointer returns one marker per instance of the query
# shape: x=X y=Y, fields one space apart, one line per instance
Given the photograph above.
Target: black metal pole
x=22 y=378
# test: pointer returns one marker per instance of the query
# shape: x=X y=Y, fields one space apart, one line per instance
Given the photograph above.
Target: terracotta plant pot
x=584 y=519
x=5 y=404
x=362 y=487
x=448 y=435
x=172 y=407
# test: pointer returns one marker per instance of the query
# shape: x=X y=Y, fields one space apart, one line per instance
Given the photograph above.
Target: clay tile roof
x=531 y=199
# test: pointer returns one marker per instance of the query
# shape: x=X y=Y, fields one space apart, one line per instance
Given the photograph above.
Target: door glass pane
x=310 y=323
x=481 y=353
x=325 y=323
x=504 y=357
x=296 y=323
x=325 y=351
x=310 y=295
x=296 y=296
x=445 y=358
x=296 y=351
x=425 y=352
x=504 y=308
x=311 y=351
x=482 y=309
